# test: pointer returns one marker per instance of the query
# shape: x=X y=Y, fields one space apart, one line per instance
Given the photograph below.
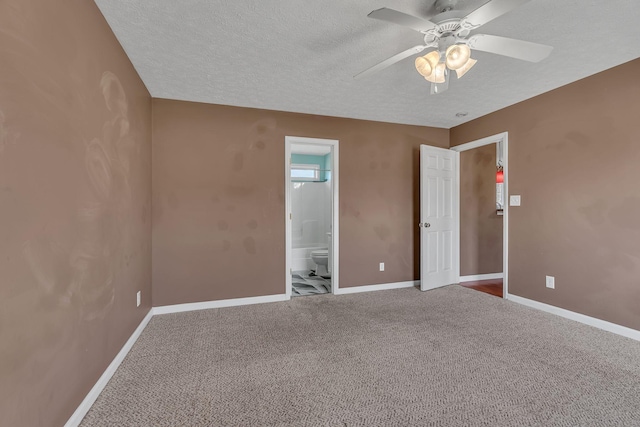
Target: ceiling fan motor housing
x=445 y=5
x=448 y=27
x=448 y=31
x=445 y=42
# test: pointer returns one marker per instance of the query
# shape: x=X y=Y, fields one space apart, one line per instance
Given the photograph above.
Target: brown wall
x=74 y=206
x=573 y=156
x=218 y=199
x=480 y=225
x=75 y=190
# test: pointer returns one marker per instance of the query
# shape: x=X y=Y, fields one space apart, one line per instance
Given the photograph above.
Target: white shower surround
x=311 y=221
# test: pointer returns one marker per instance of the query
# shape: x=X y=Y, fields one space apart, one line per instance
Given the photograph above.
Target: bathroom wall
x=75 y=129
x=480 y=225
x=218 y=199
x=573 y=157
x=312 y=159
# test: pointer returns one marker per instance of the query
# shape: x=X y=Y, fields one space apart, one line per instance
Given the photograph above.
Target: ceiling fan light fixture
x=423 y=66
x=457 y=55
x=439 y=74
x=426 y=65
x=433 y=58
x=466 y=67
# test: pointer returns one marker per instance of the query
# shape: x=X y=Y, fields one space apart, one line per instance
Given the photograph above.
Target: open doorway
x=311 y=193
x=483 y=215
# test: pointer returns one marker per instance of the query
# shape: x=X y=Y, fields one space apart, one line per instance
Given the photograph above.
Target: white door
x=438 y=216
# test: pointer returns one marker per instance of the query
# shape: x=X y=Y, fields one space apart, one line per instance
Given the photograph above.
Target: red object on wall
x=499 y=177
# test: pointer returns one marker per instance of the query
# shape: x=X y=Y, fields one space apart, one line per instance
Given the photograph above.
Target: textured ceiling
x=301 y=56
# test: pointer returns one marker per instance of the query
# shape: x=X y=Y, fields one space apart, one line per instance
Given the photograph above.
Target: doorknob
x=425 y=225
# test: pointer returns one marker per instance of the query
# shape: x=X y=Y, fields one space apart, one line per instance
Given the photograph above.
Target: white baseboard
x=178 y=308
x=587 y=320
x=380 y=287
x=476 y=277
x=93 y=394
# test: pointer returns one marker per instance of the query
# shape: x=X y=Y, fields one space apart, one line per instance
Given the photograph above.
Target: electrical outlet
x=514 y=200
x=138 y=299
x=551 y=282
x=382 y=266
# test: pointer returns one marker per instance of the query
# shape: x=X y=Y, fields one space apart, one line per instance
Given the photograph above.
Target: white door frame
x=503 y=139
x=335 y=229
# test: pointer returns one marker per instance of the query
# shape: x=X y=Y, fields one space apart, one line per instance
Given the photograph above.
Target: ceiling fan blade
x=518 y=49
x=395 y=17
x=490 y=11
x=390 y=61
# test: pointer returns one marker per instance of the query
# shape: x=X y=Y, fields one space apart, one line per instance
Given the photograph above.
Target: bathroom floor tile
x=304 y=284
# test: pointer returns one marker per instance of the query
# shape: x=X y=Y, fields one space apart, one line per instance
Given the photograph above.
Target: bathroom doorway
x=311 y=198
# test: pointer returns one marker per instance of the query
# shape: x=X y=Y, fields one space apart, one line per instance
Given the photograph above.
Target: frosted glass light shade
x=433 y=57
x=457 y=56
x=439 y=74
x=466 y=67
x=423 y=66
x=426 y=64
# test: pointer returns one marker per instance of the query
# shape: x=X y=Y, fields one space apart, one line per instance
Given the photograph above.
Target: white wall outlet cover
x=138 y=299
x=514 y=200
x=550 y=282
x=382 y=266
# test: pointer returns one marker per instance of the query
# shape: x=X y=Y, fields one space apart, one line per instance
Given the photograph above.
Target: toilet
x=321 y=257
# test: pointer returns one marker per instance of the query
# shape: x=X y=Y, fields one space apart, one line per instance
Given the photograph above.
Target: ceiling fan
x=452 y=42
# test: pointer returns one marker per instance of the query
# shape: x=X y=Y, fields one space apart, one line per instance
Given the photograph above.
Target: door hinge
x=290 y=216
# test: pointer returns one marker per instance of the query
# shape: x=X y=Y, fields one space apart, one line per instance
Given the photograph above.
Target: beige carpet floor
x=448 y=357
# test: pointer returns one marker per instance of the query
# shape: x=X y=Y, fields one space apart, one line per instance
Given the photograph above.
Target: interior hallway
x=491 y=287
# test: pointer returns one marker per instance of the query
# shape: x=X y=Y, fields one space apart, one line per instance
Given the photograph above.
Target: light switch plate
x=514 y=200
